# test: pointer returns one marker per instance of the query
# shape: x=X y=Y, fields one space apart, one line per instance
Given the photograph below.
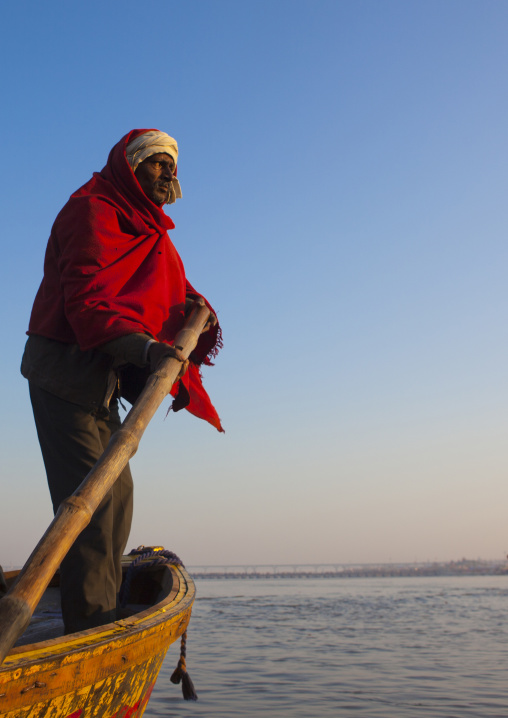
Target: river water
x=376 y=647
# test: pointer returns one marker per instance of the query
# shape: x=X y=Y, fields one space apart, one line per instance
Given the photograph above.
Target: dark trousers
x=72 y=439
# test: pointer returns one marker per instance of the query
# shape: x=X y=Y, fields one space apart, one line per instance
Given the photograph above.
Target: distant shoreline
x=389 y=570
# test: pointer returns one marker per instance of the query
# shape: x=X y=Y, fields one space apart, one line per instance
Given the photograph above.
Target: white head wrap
x=151 y=143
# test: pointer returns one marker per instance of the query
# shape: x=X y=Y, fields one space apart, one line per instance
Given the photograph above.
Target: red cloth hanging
x=111 y=269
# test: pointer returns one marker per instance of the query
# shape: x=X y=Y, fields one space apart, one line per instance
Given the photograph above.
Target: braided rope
x=182 y=664
x=180 y=673
x=160 y=557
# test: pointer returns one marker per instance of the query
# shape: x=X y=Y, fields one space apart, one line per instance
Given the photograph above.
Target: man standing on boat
x=113 y=297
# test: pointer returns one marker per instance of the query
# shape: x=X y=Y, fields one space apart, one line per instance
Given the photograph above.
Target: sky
x=344 y=169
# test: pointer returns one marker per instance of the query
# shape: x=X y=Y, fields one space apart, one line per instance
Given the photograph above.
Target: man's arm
x=129 y=349
x=141 y=350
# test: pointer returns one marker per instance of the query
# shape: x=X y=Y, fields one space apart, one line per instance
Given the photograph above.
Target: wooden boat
x=106 y=672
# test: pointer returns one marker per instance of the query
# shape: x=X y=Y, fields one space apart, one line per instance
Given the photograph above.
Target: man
x=113 y=296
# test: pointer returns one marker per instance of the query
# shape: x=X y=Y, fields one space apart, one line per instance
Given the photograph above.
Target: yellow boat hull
x=107 y=672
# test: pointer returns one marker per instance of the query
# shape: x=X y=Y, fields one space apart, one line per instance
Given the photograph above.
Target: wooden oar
x=17 y=607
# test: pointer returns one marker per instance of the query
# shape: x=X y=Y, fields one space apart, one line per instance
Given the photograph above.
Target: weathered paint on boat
x=107 y=672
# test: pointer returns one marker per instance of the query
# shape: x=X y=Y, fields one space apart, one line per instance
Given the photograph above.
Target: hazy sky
x=344 y=175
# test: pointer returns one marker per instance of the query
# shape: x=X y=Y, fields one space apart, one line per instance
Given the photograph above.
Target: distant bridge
x=342 y=570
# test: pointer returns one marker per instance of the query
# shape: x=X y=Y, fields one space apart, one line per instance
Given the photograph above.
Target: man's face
x=155 y=175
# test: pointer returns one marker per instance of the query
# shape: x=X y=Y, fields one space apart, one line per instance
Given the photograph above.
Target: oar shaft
x=75 y=512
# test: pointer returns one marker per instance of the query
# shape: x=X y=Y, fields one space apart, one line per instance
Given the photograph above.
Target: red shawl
x=111 y=269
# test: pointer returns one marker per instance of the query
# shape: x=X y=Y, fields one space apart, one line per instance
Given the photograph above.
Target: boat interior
x=147 y=587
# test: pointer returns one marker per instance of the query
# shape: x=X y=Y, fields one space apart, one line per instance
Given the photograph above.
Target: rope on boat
x=160 y=557
x=180 y=673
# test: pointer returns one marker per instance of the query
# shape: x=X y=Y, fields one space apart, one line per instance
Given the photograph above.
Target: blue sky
x=344 y=176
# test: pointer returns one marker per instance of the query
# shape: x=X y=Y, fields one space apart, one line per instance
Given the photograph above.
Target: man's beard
x=160 y=194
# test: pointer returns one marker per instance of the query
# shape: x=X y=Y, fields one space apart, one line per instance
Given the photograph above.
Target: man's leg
x=122 y=497
x=71 y=441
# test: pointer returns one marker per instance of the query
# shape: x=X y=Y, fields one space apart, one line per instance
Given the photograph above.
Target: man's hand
x=212 y=319
x=211 y=322
x=160 y=350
